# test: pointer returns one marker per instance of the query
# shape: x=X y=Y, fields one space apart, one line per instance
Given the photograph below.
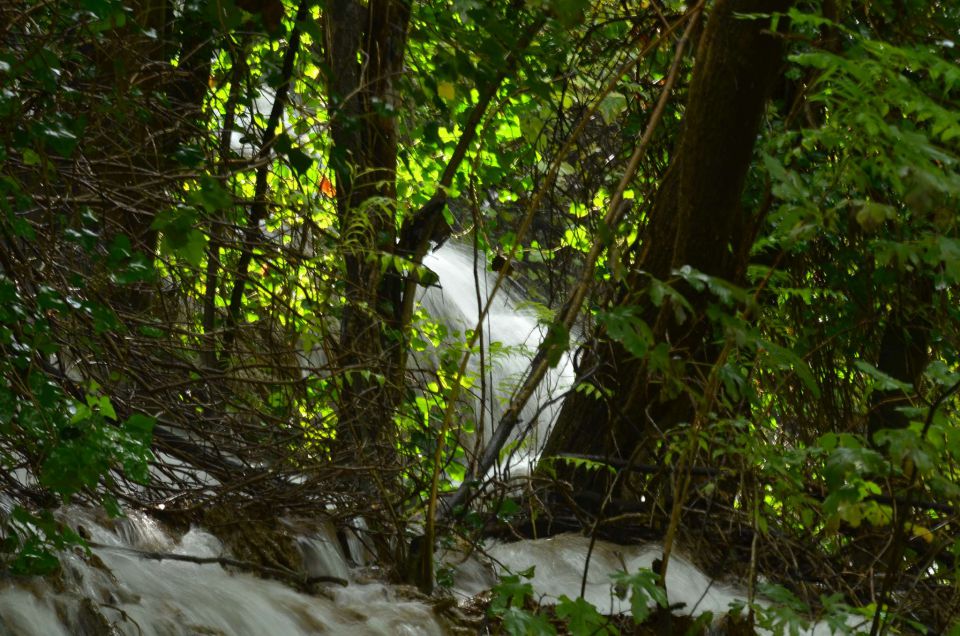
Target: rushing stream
x=122 y=592
x=127 y=588
x=136 y=595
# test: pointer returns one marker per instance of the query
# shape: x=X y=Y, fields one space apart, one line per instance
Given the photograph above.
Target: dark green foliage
x=177 y=239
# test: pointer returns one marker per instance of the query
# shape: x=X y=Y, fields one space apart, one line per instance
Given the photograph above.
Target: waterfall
x=512 y=334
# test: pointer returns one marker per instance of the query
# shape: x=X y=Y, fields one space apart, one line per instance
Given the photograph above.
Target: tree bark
x=696 y=220
x=365 y=52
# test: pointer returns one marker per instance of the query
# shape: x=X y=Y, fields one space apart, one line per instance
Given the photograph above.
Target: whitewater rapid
x=123 y=587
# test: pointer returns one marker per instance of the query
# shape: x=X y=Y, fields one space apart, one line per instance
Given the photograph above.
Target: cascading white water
x=456 y=304
x=558 y=565
x=122 y=592
x=512 y=334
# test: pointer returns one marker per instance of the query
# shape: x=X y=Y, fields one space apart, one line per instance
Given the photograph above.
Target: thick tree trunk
x=696 y=220
x=364 y=159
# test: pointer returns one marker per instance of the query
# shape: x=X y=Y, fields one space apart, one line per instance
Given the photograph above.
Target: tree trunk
x=365 y=51
x=697 y=220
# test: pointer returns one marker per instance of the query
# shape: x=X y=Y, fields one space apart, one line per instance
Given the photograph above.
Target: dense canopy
x=738 y=221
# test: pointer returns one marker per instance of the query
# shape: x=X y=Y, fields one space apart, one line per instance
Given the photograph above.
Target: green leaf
x=211 y=195
x=880 y=380
x=583 y=463
x=611 y=106
x=446 y=91
x=34 y=559
x=300 y=161
x=511 y=592
x=194 y=249
x=30 y=157
x=644 y=587
x=583 y=618
x=519 y=622
x=140 y=427
x=872 y=215
x=106 y=408
x=180 y=237
x=427 y=277
x=624 y=325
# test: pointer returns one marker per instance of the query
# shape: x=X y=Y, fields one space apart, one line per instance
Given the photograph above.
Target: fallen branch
x=280 y=573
